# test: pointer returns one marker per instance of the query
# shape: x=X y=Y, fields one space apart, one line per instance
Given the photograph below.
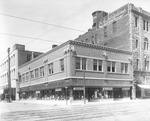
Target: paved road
x=112 y=111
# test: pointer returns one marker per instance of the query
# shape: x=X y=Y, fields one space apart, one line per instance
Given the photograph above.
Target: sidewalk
x=67 y=103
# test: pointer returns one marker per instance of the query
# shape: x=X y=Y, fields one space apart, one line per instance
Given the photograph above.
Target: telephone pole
x=9 y=81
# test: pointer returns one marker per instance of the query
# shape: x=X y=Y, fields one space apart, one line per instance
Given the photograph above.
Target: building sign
x=115 y=15
x=37 y=91
x=125 y=88
x=59 y=89
x=108 y=88
x=78 y=88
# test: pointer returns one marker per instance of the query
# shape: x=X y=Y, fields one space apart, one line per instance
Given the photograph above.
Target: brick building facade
x=72 y=67
x=18 y=56
x=127 y=28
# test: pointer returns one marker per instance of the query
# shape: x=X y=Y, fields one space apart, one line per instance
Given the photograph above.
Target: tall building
x=127 y=28
x=18 y=56
x=73 y=69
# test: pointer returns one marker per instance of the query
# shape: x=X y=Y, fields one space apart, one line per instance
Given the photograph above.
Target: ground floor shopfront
x=73 y=89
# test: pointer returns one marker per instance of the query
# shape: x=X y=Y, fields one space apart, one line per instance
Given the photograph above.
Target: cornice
x=94 y=46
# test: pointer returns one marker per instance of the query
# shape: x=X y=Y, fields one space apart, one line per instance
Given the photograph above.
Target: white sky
x=76 y=14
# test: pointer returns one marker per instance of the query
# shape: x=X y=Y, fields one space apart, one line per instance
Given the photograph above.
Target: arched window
x=146 y=43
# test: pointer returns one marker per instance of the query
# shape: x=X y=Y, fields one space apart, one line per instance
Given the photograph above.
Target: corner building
x=18 y=56
x=66 y=70
x=127 y=28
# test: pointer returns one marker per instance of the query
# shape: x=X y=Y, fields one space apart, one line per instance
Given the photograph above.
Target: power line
x=29 y=37
x=40 y=22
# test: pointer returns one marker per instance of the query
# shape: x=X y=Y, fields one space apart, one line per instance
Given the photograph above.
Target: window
x=137 y=63
x=97 y=65
x=124 y=68
x=136 y=44
x=146 y=61
x=92 y=40
x=136 y=21
x=144 y=25
x=77 y=61
x=50 y=68
x=36 y=73
x=27 y=76
x=32 y=74
x=114 y=27
x=105 y=31
x=28 y=57
x=147 y=26
x=42 y=71
x=83 y=63
x=111 y=66
x=146 y=43
x=23 y=77
x=62 y=64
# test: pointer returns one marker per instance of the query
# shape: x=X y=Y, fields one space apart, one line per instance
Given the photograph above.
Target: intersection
x=138 y=110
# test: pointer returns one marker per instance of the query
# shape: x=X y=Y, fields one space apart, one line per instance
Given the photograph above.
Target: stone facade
x=126 y=28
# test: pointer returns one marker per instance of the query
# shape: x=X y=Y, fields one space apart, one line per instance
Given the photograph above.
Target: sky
x=72 y=17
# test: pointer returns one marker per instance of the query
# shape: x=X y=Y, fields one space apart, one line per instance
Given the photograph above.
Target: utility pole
x=9 y=81
x=84 y=85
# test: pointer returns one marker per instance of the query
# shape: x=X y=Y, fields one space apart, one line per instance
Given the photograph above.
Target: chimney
x=53 y=46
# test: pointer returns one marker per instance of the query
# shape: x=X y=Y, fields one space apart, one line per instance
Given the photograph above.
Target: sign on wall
x=121 y=12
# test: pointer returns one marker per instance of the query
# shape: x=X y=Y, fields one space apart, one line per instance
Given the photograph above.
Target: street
x=136 y=110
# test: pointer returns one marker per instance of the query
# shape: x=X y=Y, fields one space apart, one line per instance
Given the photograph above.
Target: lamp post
x=9 y=81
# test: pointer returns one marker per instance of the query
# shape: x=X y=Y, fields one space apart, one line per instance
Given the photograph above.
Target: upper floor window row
x=145 y=25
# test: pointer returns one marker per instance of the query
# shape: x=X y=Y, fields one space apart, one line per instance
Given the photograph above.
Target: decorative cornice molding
x=93 y=46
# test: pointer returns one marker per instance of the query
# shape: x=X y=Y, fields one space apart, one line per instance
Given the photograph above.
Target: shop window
x=62 y=64
x=124 y=68
x=27 y=76
x=42 y=71
x=77 y=61
x=32 y=74
x=111 y=66
x=114 y=27
x=50 y=68
x=36 y=73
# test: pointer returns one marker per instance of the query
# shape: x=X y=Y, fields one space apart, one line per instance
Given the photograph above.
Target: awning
x=144 y=86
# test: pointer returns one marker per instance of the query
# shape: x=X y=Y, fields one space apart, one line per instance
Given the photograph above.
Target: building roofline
x=71 y=42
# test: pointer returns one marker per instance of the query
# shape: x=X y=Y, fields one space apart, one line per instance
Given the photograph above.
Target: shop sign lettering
x=59 y=89
x=107 y=88
x=125 y=88
x=115 y=15
x=78 y=88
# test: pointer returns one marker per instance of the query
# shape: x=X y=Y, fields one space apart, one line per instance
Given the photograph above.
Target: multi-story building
x=72 y=68
x=127 y=28
x=18 y=56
